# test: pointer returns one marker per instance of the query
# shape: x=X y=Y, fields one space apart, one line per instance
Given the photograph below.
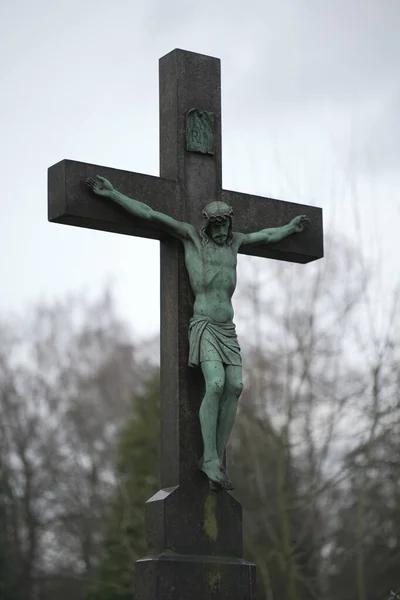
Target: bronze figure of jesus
x=211 y=259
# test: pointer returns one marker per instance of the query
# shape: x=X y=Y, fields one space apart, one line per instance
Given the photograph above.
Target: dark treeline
x=315 y=452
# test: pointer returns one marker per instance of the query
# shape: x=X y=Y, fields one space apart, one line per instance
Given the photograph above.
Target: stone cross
x=194 y=536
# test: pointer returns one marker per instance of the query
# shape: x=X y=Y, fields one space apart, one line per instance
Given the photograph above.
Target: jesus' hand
x=100 y=186
x=300 y=223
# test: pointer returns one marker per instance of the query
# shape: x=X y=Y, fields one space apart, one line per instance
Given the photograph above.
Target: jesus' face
x=218 y=231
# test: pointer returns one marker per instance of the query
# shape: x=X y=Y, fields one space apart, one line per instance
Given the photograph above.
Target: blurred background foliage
x=315 y=452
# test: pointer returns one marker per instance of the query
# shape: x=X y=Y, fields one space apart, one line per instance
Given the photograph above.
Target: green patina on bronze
x=215 y=580
x=210 y=258
x=200 y=131
x=210 y=517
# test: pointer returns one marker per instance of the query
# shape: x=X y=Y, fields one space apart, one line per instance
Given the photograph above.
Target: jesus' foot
x=212 y=468
x=216 y=473
x=228 y=482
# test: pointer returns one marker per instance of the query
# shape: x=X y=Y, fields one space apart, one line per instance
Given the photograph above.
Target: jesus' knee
x=214 y=378
x=234 y=381
x=214 y=386
x=237 y=388
x=234 y=388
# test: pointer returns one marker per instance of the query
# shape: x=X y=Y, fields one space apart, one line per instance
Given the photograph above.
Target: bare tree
x=67 y=376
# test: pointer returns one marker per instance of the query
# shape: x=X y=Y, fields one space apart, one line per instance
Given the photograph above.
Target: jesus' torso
x=212 y=275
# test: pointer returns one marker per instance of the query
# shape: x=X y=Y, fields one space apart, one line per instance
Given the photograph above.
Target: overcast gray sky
x=311 y=113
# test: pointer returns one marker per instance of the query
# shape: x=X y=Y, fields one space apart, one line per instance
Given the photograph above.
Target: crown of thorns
x=217 y=211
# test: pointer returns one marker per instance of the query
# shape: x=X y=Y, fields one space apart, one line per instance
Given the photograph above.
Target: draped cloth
x=213 y=341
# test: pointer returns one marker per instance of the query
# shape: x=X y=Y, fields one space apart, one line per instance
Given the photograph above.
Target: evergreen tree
x=138 y=480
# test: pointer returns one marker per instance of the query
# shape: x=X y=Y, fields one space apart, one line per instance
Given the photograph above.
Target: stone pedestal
x=195 y=541
x=185 y=577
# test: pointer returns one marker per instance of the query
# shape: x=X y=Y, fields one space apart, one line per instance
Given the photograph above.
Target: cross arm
x=255 y=213
x=72 y=203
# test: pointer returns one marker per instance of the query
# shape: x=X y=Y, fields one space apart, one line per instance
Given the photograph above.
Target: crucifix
x=201 y=228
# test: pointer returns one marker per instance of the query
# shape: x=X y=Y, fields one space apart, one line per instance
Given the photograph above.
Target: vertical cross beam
x=187 y=81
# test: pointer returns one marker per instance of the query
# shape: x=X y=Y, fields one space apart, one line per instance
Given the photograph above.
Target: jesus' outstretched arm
x=102 y=187
x=276 y=234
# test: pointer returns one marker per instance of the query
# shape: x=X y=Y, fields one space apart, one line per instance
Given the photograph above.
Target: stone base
x=185 y=577
x=189 y=519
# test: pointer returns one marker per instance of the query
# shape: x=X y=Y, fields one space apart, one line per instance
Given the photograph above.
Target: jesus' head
x=217 y=223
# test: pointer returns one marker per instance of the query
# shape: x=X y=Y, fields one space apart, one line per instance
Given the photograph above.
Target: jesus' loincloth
x=213 y=341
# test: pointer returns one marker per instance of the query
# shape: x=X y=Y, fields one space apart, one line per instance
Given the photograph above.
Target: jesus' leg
x=228 y=406
x=214 y=377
